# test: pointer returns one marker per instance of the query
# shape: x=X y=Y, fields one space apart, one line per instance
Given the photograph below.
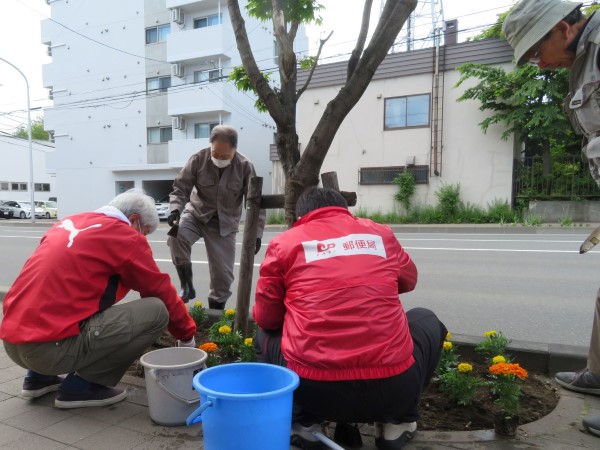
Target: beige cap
x=530 y=20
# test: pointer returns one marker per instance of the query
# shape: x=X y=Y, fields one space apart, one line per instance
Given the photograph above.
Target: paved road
x=533 y=287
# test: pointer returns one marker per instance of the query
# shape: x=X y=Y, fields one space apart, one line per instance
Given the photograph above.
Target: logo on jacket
x=68 y=225
x=352 y=244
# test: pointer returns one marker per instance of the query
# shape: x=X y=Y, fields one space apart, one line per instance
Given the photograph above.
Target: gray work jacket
x=203 y=194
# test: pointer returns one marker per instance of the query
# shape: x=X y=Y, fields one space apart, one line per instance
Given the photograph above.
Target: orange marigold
x=209 y=347
x=509 y=369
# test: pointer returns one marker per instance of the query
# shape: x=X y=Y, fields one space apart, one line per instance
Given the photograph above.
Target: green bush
x=406 y=189
x=276 y=217
x=448 y=196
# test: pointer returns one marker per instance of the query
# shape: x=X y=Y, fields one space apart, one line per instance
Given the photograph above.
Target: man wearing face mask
x=206 y=202
x=62 y=314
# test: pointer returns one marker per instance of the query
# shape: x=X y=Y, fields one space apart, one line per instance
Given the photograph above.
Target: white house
x=137 y=86
x=409 y=119
x=15 y=172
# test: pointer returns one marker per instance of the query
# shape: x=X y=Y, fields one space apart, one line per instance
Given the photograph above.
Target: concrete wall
x=554 y=211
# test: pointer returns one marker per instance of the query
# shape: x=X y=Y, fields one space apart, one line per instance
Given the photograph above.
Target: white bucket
x=169 y=373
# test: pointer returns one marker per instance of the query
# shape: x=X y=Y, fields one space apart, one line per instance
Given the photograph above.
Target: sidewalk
x=38 y=425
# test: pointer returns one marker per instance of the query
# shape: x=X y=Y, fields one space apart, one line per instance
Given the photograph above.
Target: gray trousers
x=220 y=251
x=107 y=345
x=593 y=362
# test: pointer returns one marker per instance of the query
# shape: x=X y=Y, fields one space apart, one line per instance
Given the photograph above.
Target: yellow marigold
x=225 y=329
x=498 y=359
x=198 y=304
x=465 y=367
x=447 y=345
x=248 y=342
x=448 y=336
x=230 y=312
x=490 y=333
x=507 y=369
x=209 y=347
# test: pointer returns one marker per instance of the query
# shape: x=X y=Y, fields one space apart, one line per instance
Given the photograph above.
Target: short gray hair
x=224 y=133
x=135 y=201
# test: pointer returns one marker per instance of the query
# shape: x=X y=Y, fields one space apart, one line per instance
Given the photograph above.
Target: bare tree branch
x=362 y=38
x=312 y=69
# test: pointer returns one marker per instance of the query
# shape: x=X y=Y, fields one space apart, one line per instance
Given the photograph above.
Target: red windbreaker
x=332 y=282
x=84 y=264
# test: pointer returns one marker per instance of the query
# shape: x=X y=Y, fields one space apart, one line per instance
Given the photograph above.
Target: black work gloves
x=258 y=244
x=173 y=218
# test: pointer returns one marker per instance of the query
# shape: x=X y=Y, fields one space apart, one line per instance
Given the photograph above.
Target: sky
x=21 y=43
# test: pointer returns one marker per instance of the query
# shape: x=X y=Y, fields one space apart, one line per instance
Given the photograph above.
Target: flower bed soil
x=540 y=397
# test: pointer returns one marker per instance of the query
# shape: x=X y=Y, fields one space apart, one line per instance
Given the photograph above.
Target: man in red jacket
x=327 y=306
x=60 y=314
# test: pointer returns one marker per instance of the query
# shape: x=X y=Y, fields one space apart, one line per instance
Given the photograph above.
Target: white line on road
x=196 y=262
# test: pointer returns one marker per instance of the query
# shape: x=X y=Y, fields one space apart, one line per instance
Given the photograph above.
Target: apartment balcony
x=200 y=43
x=200 y=98
x=50 y=30
x=193 y=5
x=181 y=150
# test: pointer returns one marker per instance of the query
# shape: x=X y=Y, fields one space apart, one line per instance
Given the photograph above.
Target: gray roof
x=489 y=51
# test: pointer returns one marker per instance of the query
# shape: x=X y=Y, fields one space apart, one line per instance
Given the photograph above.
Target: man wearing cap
x=553 y=34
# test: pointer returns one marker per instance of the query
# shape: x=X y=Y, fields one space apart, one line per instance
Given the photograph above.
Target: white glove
x=191 y=343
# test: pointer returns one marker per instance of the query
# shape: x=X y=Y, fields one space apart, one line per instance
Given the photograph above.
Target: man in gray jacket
x=206 y=202
x=553 y=34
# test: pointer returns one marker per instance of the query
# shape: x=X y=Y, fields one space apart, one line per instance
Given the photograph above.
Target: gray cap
x=530 y=20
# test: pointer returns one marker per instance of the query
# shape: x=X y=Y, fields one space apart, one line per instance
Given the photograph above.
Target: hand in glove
x=173 y=218
x=191 y=343
x=258 y=244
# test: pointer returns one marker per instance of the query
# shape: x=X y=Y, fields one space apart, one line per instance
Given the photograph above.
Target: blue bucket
x=245 y=405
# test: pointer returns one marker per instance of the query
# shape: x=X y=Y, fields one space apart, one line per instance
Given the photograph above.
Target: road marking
x=197 y=262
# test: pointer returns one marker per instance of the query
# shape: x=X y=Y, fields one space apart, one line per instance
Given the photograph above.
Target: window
x=404 y=112
x=4 y=186
x=209 y=21
x=202 y=130
x=207 y=75
x=386 y=175
x=157 y=34
x=157 y=135
x=42 y=187
x=18 y=186
x=158 y=84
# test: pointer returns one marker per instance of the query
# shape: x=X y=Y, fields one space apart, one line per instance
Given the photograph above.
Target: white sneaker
x=391 y=436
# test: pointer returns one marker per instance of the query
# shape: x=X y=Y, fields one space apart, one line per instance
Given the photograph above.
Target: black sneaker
x=87 y=394
x=582 y=381
x=303 y=437
x=213 y=304
x=38 y=385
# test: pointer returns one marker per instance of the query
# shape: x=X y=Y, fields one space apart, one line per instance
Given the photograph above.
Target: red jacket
x=83 y=265
x=332 y=282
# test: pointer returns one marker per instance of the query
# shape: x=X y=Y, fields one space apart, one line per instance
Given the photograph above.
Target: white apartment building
x=137 y=86
x=409 y=119
x=15 y=173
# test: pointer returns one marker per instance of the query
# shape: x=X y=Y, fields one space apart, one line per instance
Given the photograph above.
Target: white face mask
x=220 y=163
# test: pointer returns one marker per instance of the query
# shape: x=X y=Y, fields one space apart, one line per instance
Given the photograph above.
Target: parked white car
x=19 y=210
x=39 y=212
x=163 y=207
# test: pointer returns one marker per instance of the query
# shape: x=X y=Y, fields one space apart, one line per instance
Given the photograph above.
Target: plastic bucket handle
x=153 y=374
x=195 y=417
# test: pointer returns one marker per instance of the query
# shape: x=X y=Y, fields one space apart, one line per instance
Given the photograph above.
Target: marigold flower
x=507 y=369
x=198 y=304
x=209 y=347
x=498 y=359
x=447 y=345
x=225 y=329
x=448 y=335
x=230 y=312
x=465 y=367
x=490 y=333
x=248 y=342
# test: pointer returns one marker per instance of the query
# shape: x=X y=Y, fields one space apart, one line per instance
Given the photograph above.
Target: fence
x=568 y=179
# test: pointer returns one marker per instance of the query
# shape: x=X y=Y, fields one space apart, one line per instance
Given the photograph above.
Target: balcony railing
x=201 y=43
x=200 y=98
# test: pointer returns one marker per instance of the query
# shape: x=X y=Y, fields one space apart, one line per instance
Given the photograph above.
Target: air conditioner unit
x=410 y=160
x=178 y=123
x=177 y=70
x=177 y=16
